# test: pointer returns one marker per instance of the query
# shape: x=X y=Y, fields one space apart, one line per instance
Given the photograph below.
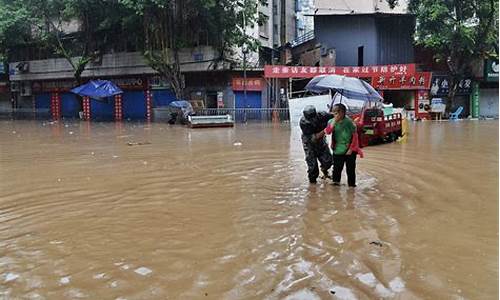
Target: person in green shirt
x=345 y=145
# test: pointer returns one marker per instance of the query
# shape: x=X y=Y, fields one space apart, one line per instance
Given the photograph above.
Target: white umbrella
x=349 y=87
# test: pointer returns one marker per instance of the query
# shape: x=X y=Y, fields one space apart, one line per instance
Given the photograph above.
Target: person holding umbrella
x=345 y=145
x=345 y=141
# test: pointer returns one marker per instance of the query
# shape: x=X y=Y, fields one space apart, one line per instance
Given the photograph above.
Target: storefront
x=400 y=84
x=406 y=91
x=254 y=87
x=488 y=90
x=252 y=100
x=440 y=89
x=140 y=96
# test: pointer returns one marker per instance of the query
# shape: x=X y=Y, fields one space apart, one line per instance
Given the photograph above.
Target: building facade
x=43 y=84
x=364 y=32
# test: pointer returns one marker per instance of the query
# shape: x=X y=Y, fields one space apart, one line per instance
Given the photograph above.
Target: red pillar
x=149 y=102
x=118 y=108
x=86 y=108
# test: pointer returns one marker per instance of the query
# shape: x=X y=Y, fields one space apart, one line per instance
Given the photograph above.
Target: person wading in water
x=312 y=125
x=345 y=145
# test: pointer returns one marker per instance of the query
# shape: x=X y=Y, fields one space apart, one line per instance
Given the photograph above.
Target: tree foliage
x=44 y=24
x=158 y=28
x=460 y=32
x=171 y=25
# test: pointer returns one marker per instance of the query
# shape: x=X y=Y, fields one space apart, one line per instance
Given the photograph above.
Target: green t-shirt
x=343 y=134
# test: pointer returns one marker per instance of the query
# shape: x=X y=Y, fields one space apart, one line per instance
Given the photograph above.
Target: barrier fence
x=248 y=114
x=238 y=114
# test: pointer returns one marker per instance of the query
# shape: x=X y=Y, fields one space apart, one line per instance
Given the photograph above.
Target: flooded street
x=137 y=211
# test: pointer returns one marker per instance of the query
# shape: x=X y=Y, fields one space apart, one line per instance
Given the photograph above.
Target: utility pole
x=245 y=51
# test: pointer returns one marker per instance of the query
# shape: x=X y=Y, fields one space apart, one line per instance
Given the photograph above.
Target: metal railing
x=237 y=114
x=303 y=38
x=250 y=114
x=25 y=113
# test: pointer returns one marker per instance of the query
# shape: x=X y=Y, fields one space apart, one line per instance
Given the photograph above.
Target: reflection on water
x=136 y=211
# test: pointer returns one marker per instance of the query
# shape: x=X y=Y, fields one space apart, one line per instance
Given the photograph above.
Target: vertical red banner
x=118 y=108
x=52 y=106
x=149 y=102
x=86 y=108
x=55 y=105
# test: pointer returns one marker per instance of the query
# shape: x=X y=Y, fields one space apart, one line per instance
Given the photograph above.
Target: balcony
x=302 y=39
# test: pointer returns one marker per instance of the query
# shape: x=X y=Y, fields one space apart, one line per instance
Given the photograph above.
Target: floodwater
x=137 y=211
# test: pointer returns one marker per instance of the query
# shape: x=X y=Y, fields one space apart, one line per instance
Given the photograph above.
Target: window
x=360 y=56
x=263 y=29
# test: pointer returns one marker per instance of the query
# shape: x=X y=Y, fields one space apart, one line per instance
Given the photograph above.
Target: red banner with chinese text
x=253 y=84
x=271 y=71
x=413 y=81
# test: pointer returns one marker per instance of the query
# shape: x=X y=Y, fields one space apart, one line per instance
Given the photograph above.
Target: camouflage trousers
x=315 y=151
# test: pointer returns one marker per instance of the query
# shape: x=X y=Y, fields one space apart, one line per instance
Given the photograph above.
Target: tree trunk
x=453 y=84
x=177 y=80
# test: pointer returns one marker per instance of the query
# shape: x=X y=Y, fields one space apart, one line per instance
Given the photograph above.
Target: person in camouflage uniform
x=312 y=125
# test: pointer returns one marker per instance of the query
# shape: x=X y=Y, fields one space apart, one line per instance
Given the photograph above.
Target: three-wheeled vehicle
x=374 y=125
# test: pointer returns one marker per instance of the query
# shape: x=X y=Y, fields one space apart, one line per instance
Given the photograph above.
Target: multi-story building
x=365 y=32
x=39 y=78
x=304 y=18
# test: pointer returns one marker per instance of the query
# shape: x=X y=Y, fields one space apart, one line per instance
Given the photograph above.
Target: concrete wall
x=346 y=34
x=290 y=20
x=395 y=41
x=117 y=64
x=386 y=39
x=265 y=33
x=272 y=37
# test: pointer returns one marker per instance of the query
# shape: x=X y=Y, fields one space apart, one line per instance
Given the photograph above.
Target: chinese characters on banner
x=441 y=86
x=271 y=71
x=417 y=80
x=402 y=76
x=252 y=84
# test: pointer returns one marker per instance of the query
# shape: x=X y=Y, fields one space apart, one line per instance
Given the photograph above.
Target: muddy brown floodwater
x=137 y=211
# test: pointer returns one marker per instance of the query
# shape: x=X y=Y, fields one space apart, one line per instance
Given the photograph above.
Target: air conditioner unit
x=14 y=86
x=25 y=89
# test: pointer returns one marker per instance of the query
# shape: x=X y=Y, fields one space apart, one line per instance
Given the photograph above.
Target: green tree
x=14 y=26
x=168 y=26
x=101 y=25
x=460 y=32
